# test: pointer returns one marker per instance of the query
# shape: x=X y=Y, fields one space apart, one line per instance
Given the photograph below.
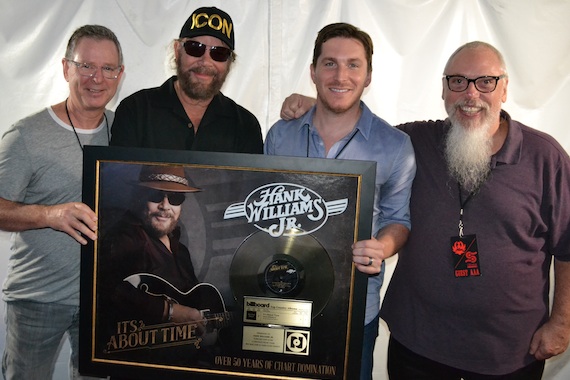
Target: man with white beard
x=489 y=211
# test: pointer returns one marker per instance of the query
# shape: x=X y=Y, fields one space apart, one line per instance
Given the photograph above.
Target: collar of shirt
x=363 y=125
x=510 y=152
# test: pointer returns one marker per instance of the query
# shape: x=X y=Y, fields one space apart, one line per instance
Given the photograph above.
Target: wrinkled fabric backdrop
x=274 y=41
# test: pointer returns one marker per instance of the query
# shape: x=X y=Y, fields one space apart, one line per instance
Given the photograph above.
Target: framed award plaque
x=220 y=265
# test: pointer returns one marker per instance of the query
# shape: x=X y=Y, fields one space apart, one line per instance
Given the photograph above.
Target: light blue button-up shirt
x=372 y=139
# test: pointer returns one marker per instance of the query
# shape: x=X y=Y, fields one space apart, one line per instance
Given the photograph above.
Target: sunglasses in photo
x=175 y=199
x=197 y=49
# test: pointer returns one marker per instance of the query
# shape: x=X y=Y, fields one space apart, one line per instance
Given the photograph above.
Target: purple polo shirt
x=521 y=218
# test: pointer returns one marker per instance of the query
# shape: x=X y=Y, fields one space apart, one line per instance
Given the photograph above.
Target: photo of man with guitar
x=185 y=277
x=153 y=297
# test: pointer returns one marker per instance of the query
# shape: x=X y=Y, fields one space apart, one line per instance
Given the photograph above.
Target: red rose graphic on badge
x=459 y=248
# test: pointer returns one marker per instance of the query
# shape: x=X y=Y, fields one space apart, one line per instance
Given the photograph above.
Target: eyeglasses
x=197 y=49
x=88 y=70
x=459 y=83
x=175 y=199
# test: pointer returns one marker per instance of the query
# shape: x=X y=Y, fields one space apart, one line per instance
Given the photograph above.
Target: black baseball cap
x=210 y=21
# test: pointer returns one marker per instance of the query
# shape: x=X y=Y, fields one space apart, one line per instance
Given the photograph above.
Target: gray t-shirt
x=41 y=162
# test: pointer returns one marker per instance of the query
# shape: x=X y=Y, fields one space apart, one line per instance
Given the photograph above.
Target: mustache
x=159 y=214
x=471 y=103
x=202 y=70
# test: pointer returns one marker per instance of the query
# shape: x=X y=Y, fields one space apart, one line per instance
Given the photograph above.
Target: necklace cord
x=341 y=149
x=75 y=131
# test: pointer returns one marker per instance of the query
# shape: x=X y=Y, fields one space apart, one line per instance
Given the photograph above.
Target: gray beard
x=468 y=155
x=198 y=91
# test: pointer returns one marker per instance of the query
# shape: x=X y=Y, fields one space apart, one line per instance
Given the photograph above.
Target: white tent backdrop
x=274 y=41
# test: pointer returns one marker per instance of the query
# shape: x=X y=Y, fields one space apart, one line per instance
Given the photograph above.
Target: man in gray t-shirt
x=41 y=160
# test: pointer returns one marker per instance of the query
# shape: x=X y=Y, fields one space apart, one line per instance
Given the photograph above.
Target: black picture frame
x=230 y=245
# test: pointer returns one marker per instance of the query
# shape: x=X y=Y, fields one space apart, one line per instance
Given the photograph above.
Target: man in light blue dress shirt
x=341 y=126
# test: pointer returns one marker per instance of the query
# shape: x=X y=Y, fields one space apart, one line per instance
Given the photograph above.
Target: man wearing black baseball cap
x=188 y=112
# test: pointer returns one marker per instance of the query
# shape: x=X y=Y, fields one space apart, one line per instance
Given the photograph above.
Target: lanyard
x=341 y=149
x=462 y=205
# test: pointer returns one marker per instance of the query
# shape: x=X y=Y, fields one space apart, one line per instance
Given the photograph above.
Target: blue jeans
x=34 y=333
x=368 y=344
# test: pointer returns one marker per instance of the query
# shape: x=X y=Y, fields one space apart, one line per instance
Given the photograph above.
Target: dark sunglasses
x=174 y=199
x=217 y=53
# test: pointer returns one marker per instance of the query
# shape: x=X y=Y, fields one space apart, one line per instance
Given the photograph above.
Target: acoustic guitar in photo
x=204 y=297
